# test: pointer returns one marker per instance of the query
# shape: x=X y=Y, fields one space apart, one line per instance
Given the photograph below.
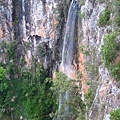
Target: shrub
x=115 y=115
x=109 y=52
x=104 y=17
x=109 y=49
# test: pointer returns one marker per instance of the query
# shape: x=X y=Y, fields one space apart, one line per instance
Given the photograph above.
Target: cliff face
x=104 y=88
x=38 y=25
x=31 y=23
x=5 y=20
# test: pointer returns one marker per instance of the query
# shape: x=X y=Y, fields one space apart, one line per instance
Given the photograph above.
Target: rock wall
x=106 y=89
x=6 y=32
x=31 y=23
x=35 y=25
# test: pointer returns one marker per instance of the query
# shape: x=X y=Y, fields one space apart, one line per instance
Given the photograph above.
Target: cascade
x=67 y=53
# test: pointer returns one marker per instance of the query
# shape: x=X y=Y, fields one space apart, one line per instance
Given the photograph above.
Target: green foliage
x=84 y=51
x=116 y=12
x=115 y=70
x=3 y=88
x=26 y=91
x=115 y=115
x=63 y=11
x=28 y=95
x=109 y=52
x=11 y=47
x=41 y=50
x=2 y=45
x=101 y=1
x=104 y=17
x=81 y=116
x=81 y=14
x=75 y=105
x=109 y=49
x=3 y=82
x=90 y=95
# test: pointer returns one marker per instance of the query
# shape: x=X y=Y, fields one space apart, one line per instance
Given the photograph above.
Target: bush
x=109 y=49
x=115 y=115
x=109 y=52
x=104 y=17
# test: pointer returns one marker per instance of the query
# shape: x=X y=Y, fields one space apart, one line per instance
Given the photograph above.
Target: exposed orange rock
x=52 y=35
x=71 y=73
x=117 y=59
x=1 y=33
x=84 y=88
x=82 y=69
x=47 y=8
x=102 y=91
x=54 y=76
x=41 y=31
x=54 y=22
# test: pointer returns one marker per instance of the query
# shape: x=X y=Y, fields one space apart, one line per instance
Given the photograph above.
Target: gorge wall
x=34 y=24
x=38 y=27
x=91 y=38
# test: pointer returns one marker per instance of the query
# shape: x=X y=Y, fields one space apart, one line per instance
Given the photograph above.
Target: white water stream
x=67 y=54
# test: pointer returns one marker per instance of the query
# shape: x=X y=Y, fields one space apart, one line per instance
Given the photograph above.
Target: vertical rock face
x=31 y=23
x=107 y=91
x=6 y=32
x=34 y=25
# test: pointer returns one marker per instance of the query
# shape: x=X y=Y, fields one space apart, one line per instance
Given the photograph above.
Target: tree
x=3 y=88
x=68 y=98
x=115 y=114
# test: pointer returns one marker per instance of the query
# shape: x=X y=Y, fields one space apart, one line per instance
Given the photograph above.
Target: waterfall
x=67 y=54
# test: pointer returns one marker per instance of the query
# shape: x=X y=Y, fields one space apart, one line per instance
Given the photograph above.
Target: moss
x=104 y=17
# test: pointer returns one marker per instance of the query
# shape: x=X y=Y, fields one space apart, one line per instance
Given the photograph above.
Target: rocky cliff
x=38 y=27
x=34 y=24
x=103 y=86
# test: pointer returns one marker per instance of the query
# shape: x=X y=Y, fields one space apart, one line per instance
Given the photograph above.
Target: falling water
x=67 y=54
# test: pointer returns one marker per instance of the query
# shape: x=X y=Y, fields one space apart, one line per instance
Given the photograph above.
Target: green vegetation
x=109 y=52
x=24 y=91
x=90 y=95
x=104 y=17
x=27 y=96
x=116 y=12
x=41 y=50
x=30 y=93
x=84 y=51
x=3 y=88
x=63 y=11
x=115 y=115
x=75 y=105
x=109 y=49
